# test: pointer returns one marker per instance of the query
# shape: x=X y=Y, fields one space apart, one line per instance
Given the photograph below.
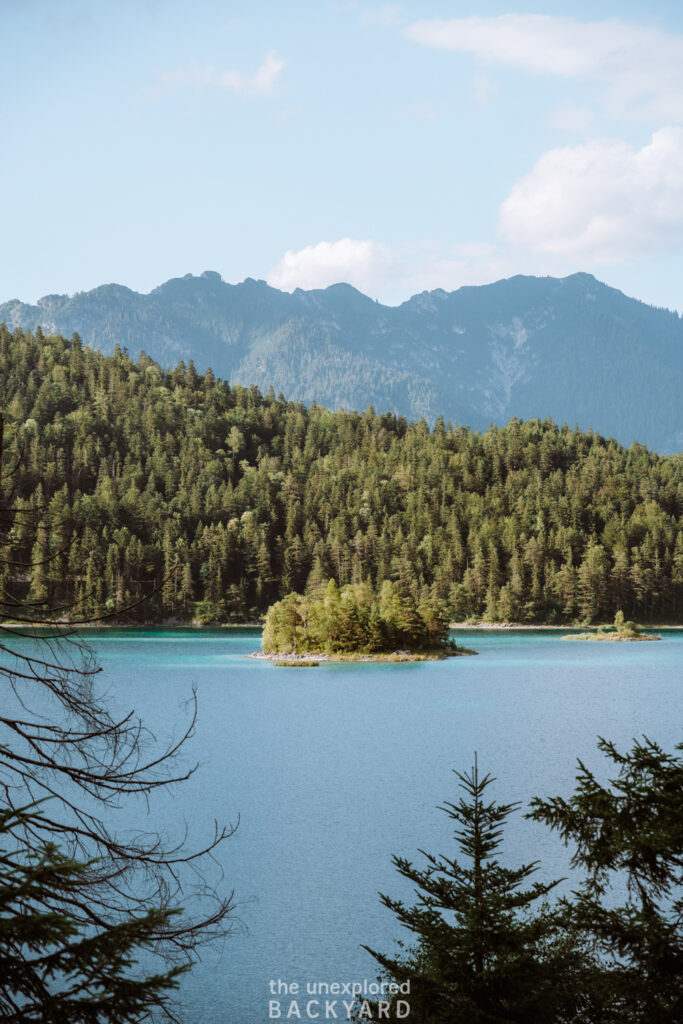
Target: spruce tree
x=59 y=739
x=629 y=834
x=485 y=954
x=53 y=968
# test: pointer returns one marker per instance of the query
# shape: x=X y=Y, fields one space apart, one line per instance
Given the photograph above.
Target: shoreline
x=535 y=627
x=391 y=656
x=613 y=638
x=175 y=624
x=470 y=627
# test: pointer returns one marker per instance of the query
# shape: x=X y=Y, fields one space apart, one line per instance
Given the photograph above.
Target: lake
x=333 y=769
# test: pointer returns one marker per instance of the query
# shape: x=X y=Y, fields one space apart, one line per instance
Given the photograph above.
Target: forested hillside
x=233 y=499
x=569 y=348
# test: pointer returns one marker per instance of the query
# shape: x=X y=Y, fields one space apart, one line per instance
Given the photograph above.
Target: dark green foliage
x=228 y=500
x=623 y=628
x=59 y=738
x=487 y=951
x=629 y=834
x=53 y=969
x=610 y=953
x=353 y=620
x=571 y=348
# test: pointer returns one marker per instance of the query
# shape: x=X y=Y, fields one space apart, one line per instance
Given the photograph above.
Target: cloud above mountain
x=390 y=273
x=586 y=206
x=600 y=202
x=365 y=264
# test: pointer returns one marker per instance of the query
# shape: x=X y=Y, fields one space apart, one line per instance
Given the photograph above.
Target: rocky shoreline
x=393 y=656
x=610 y=637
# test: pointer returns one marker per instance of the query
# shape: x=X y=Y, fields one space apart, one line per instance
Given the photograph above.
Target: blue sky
x=396 y=146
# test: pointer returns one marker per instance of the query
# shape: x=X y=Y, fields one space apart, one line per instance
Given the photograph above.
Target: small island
x=620 y=632
x=354 y=623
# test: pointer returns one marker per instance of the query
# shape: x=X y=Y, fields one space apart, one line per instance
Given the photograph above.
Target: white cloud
x=534 y=42
x=367 y=265
x=641 y=68
x=391 y=274
x=261 y=81
x=601 y=202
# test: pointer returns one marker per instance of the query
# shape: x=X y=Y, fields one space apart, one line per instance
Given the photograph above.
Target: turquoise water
x=333 y=769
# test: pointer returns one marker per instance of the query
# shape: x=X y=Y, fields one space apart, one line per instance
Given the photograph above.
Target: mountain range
x=570 y=348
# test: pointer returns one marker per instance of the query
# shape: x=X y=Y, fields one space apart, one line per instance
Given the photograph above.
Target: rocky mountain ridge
x=570 y=348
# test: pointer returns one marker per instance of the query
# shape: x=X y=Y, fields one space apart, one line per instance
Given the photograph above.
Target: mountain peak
x=570 y=348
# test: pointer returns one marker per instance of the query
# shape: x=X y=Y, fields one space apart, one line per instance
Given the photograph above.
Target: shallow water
x=333 y=769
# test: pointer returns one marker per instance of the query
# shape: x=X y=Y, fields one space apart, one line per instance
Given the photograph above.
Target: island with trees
x=356 y=623
x=621 y=631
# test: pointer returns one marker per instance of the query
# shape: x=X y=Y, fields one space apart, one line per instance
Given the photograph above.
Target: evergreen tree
x=156 y=470
x=485 y=954
x=54 y=969
x=59 y=738
x=629 y=829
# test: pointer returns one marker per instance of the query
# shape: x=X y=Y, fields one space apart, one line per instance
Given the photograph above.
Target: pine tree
x=87 y=760
x=54 y=969
x=631 y=828
x=483 y=956
x=571 y=525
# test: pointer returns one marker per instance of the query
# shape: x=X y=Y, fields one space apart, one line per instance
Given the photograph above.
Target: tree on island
x=353 y=619
x=626 y=629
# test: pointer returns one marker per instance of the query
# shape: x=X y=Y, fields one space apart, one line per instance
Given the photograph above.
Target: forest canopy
x=219 y=501
x=353 y=620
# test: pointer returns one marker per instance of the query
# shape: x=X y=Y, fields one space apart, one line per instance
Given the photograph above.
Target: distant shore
x=532 y=627
x=177 y=624
x=172 y=624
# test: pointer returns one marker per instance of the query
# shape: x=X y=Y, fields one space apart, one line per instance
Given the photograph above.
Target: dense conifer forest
x=218 y=500
x=355 y=619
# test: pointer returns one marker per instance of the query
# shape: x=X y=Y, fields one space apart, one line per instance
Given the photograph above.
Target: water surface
x=333 y=769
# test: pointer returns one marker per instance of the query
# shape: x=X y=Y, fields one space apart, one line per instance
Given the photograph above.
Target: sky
x=398 y=147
